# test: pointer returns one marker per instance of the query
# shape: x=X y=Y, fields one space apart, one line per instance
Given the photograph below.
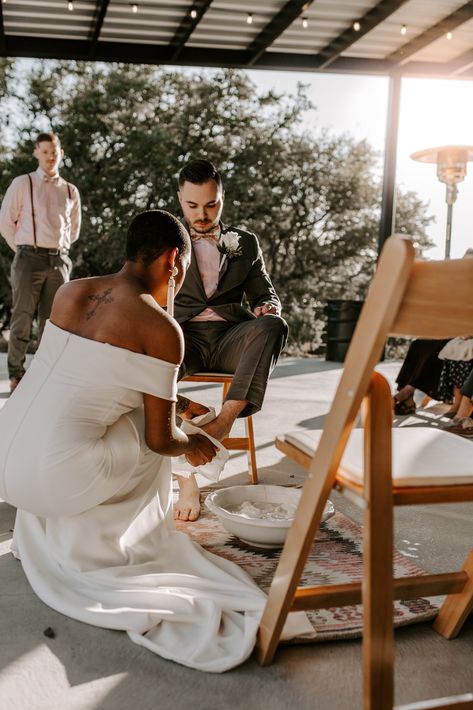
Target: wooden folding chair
x=232 y=443
x=407 y=297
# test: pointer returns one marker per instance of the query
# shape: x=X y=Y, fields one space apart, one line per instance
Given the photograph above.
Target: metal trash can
x=342 y=316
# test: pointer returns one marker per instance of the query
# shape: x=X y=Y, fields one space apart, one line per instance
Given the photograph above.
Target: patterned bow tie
x=54 y=179
x=212 y=235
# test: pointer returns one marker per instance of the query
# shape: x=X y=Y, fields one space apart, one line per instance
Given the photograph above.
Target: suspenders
x=32 y=206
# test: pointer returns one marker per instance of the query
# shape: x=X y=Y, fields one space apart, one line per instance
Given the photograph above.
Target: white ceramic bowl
x=256 y=531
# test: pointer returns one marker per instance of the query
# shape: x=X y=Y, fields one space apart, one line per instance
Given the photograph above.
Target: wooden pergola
x=393 y=38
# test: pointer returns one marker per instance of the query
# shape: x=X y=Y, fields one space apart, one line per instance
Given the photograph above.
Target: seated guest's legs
x=405 y=396
x=467 y=386
x=454 y=374
x=455 y=406
x=465 y=408
x=420 y=370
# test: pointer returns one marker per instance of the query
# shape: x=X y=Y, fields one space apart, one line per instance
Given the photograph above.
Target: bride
x=85 y=447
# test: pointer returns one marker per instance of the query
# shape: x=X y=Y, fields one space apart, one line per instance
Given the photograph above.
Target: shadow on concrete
x=285 y=368
x=303 y=366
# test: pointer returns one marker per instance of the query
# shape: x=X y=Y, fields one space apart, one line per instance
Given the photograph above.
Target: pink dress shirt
x=208 y=261
x=57 y=216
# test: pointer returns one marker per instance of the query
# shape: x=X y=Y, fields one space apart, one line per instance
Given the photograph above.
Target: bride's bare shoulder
x=162 y=337
x=114 y=311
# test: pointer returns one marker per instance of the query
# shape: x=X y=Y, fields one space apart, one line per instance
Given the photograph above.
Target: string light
x=305 y=23
x=70 y=6
x=403 y=30
x=249 y=19
x=356 y=26
x=134 y=7
x=449 y=35
x=193 y=14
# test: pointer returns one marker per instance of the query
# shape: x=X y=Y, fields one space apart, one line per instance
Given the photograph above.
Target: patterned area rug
x=335 y=558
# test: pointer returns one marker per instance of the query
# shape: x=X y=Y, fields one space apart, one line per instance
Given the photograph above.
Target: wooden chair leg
x=456 y=607
x=377 y=587
x=252 y=469
x=291 y=564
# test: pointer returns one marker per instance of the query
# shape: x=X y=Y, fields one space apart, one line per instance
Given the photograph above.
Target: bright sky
x=433 y=113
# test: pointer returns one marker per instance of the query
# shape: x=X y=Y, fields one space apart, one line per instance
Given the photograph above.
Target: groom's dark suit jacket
x=240 y=276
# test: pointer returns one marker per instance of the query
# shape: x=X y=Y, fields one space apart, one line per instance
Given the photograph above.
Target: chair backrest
x=430 y=299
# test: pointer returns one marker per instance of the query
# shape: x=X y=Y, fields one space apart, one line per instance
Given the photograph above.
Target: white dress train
x=94 y=528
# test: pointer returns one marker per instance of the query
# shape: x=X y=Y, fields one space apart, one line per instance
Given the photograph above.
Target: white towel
x=214 y=468
x=457 y=349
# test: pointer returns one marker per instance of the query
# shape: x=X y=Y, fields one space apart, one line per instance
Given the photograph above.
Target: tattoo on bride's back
x=99 y=299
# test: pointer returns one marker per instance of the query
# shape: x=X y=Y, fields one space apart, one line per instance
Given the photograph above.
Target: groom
x=221 y=334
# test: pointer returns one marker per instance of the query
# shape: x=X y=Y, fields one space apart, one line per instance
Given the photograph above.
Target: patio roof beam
x=100 y=12
x=448 y=24
x=51 y=48
x=187 y=27
x=275 y=27
x=369 y=21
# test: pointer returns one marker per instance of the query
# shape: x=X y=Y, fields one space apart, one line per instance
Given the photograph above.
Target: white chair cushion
x=422 y=456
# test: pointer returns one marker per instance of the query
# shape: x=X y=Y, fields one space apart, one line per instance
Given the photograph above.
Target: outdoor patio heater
x=451 y=169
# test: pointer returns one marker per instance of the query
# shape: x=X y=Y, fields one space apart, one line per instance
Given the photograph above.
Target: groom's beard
x=202 y=227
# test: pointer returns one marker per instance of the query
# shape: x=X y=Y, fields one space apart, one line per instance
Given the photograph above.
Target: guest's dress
x=94 y=528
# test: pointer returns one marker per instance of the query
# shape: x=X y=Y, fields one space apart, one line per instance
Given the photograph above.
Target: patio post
x=388 y=203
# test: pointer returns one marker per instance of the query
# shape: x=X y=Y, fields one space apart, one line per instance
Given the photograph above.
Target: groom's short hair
x=151 y=233
x=200 y=172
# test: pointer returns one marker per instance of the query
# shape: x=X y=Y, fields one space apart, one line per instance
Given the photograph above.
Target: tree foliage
x=314 y=201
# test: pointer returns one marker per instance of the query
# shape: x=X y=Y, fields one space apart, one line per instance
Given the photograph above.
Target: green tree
x=314 y=202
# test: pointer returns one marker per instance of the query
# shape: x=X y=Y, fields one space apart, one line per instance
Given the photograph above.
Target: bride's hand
x=202 y=450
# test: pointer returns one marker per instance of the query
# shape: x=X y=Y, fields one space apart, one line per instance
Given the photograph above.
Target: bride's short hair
x=151 y=233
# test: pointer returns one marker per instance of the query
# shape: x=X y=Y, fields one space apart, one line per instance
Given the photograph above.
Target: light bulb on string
x=449 y=35
x=356 y=26
x=193 y=14
x=134 y=7
x=305 y=23
x=403 y=29
x=249 y=19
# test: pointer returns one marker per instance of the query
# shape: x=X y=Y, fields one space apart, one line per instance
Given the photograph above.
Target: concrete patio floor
x=89 y=668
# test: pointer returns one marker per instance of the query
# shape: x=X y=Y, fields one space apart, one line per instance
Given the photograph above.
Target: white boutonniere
x=229 y=245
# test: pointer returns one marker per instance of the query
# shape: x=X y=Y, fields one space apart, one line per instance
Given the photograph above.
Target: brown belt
x=42 y=250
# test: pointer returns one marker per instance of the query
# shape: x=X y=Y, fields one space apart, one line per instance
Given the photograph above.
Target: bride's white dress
x=94 y=528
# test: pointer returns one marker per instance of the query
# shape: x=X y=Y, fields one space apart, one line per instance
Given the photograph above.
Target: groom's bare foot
x=217 y=428
x=187 y=506
x=221 y=426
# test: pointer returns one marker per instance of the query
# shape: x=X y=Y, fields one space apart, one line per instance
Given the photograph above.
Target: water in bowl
x=262 y=510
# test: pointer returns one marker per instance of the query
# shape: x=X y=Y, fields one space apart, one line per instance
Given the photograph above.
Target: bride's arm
x=164 y=436
x=161 y=431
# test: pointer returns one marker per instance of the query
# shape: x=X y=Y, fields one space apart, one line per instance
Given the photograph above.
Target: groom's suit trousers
x=249 y=350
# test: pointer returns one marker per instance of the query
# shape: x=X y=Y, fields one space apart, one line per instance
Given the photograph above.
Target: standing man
x=221 y=334
x=39 y=219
